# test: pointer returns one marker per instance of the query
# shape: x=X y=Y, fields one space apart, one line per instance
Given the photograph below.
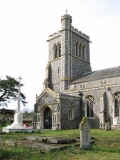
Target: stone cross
x=19 y=94
x=85 y=139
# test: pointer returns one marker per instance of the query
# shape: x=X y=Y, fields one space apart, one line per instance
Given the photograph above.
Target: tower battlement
x=54 y=35
x=75 y=30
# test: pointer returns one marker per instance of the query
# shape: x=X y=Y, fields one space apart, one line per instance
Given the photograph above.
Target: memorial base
x=17 y=125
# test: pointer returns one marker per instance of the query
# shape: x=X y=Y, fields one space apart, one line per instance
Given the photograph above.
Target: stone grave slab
x=35 y=145
x=59 y=140
x=53 y=140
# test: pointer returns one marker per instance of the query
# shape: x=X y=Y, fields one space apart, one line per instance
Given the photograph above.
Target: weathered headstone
x=107 y=126
x=85 y=138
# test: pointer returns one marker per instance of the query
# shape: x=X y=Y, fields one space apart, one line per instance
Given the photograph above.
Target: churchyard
x=106 y=146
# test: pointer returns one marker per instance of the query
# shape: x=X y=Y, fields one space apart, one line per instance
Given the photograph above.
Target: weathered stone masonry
x=59 y=106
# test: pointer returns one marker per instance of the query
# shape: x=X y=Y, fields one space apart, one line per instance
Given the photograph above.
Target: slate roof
x=96 y=75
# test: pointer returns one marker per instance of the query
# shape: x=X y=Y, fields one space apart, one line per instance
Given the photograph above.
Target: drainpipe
x=80 y=94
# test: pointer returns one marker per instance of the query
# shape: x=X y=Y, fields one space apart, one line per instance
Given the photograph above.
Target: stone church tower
x=71 y=90
x=69 y=56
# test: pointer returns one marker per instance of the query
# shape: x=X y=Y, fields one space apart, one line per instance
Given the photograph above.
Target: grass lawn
x=106 y=147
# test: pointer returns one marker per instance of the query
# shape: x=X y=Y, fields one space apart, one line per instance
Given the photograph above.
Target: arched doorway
x=47 y=118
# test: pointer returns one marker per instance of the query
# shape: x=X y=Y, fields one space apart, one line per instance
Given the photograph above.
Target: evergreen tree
x=9 y=91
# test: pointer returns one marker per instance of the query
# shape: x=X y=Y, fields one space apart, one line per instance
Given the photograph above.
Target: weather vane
x=66 y=11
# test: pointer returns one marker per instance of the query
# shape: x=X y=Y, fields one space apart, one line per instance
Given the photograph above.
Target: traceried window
x=77 y=49
x=80 y=47
x=57 y=50
x=59 y=47
x=71 y=112
x=83 y=50
x=117 y=104
x=80 y=50
x=90 y=101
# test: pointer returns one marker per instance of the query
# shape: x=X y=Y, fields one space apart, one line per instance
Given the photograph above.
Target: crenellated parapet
x=75 y=30
x=54 y=35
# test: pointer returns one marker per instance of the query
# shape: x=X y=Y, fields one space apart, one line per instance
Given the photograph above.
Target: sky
x=26 y=24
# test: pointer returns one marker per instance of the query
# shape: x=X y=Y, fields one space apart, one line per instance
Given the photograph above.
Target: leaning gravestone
x=85 y=139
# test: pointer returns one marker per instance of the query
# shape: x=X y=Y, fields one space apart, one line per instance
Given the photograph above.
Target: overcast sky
x=26 y=24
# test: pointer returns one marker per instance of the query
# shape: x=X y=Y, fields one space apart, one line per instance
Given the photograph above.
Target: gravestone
x=107 y=126
x=85 y=139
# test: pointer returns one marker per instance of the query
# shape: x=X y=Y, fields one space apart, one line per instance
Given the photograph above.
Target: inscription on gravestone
x=85 y=139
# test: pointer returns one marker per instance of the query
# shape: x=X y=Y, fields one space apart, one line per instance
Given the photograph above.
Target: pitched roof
x=47 y=90
x=96 y=75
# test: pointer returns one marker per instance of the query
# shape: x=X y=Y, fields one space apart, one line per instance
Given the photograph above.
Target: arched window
x=80 y=47
x=89 y=111
x=59 y=50
x=117 y=104
x=71 y=112
x=55 y=51
x=77 y=49
x=83 y=48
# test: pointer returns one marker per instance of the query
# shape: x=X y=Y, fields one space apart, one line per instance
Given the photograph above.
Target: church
x=71 y=90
